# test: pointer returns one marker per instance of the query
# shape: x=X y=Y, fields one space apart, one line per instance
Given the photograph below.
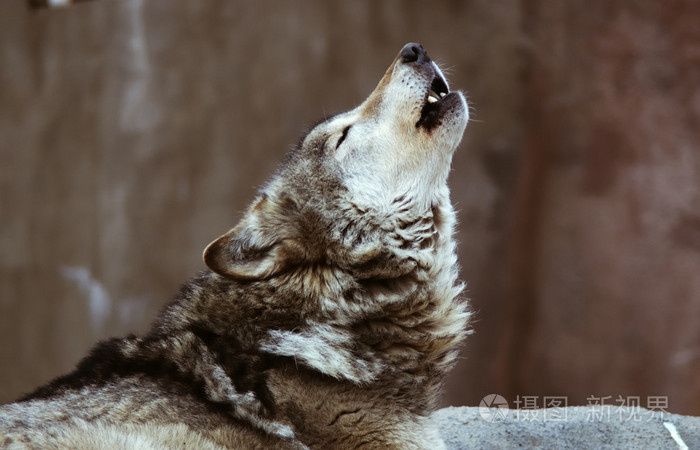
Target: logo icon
x=493 y=408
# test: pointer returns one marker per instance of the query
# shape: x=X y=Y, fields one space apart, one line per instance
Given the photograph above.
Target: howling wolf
x=330 y=314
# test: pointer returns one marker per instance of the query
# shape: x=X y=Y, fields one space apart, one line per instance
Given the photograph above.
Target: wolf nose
x=413 y=52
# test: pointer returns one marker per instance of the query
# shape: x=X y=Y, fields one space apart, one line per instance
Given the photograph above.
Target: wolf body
x=330 y=314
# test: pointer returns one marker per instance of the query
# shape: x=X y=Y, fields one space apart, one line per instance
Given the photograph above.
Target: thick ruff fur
x=329 y=318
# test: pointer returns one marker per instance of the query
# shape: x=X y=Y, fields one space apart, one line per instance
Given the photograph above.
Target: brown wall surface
x=134 y=132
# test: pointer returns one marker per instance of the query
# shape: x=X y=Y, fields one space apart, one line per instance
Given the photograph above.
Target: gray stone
x=582 y=427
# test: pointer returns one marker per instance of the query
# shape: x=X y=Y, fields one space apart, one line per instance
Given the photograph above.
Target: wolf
x=328 y=318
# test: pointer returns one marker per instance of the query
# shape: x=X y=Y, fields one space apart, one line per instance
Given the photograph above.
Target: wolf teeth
x=433 y=96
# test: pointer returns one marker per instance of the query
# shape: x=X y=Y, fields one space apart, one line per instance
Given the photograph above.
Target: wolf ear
x=255 y=249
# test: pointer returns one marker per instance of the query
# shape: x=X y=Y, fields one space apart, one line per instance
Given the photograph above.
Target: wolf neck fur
x=404 y=321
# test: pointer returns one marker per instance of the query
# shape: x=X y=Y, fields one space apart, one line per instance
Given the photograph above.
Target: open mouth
x=438 y=89
x=431 y=114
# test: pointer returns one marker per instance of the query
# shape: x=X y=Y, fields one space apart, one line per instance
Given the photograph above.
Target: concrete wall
x=133 y=132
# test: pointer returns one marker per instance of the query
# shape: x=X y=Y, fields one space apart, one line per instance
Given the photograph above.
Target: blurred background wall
x=134 y=132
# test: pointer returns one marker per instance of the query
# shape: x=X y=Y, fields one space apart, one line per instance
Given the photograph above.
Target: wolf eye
x=342 y=137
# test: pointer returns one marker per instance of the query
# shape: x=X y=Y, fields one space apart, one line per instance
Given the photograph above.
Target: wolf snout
x=413 y=52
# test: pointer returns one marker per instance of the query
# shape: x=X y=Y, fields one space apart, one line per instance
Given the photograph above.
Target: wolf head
x=381 y=165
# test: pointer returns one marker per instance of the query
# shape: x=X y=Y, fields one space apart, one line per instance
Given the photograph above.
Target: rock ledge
x=579 y=427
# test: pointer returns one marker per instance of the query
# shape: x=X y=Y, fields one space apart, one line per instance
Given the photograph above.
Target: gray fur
x=329 y=318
